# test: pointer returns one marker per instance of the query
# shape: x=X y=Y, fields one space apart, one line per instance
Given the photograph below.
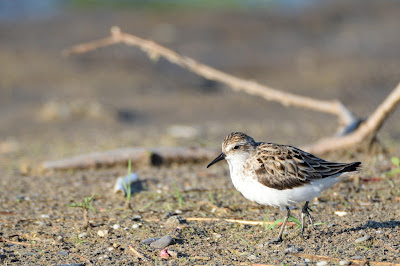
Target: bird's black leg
x=305 y=212
x=279 y=238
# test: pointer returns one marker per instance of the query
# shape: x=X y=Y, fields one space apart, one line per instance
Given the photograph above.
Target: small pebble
x=163 y=242
x=307 y=260
x=252 y=257
x=63 y=253
x=362 y=239
x=59 y=238
x=178 y=212
x=218 y=236
x=110 y=248
x=322 y=263
x=82 y=235
x=102 y=257
x=136 y=218
x=344 y=262
x=173 y=221
x=45 y=216
x=148 y=241
x=292 y=249
x=356 y=258
x=116 y=226
x=102 y=233
x=135 y=226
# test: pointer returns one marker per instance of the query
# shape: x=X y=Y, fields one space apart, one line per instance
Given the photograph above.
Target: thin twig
x=14 y=242
x=246 y=222
x=363 y=262
x=135 y=252
x=81 y=257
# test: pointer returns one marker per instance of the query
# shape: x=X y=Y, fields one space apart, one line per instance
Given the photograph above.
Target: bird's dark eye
x=236 y=147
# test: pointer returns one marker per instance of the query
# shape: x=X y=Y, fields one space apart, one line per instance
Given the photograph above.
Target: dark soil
x=53 y=107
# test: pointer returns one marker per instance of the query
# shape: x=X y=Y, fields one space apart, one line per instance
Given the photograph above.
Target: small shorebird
x=279 y=175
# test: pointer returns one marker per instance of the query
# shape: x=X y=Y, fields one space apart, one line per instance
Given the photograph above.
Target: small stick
x=135 y=252
x=14 y=242
x=246 y=222
x=81 y=257
x=363 y=262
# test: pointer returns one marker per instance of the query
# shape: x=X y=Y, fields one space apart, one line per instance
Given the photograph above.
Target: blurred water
x=11 y=10
x=25 y=10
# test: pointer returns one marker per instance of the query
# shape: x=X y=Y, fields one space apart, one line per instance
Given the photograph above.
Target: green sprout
x=246 y=243
x=265 y=220
x=396 y=162
x=177 y=194
x=210 y=196
x=86 y=205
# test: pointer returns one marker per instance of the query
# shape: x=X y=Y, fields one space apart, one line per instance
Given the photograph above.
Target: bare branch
x=368 y=129
x=155 y=51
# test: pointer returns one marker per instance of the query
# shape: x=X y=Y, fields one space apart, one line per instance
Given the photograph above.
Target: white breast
x=257 y=192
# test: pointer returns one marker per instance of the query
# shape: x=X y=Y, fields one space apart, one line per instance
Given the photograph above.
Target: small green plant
x=78 y=241
x=210 y=196
x=127 y=187
x=396 y=162
x=265 y=220
x=246 y=243
x=177 y=194
x=86 y=205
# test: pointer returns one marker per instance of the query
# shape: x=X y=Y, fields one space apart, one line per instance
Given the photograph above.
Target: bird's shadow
x=372 y=224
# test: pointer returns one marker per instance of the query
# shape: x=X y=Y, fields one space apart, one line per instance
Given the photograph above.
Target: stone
x=148 y=241
x=362 y=239
x=163 y=242
x=102 y=233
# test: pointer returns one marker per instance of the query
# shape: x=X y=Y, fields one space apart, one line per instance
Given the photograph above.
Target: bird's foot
x=305 y=211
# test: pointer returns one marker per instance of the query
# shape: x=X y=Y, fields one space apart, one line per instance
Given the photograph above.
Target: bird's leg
x=305 y=212
x=279 y=238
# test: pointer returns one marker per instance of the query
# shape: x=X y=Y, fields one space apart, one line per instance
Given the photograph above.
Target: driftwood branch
x=351 y=133
x=155 y=51
x=138 y=156
x=367 y=130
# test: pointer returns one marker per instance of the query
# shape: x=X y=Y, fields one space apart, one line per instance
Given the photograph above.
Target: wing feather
x=285 y=167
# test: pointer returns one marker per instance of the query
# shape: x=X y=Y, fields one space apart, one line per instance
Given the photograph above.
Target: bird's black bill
x=216 y=160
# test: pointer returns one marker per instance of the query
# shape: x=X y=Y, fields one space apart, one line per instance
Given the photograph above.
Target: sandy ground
x=53 y=107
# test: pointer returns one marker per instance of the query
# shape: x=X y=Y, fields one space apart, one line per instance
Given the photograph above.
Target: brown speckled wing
x=285 y=167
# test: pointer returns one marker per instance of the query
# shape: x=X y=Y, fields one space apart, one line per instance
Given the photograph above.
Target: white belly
x=257 y=192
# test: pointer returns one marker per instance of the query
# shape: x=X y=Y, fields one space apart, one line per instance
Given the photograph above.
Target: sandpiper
x=279 y=175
